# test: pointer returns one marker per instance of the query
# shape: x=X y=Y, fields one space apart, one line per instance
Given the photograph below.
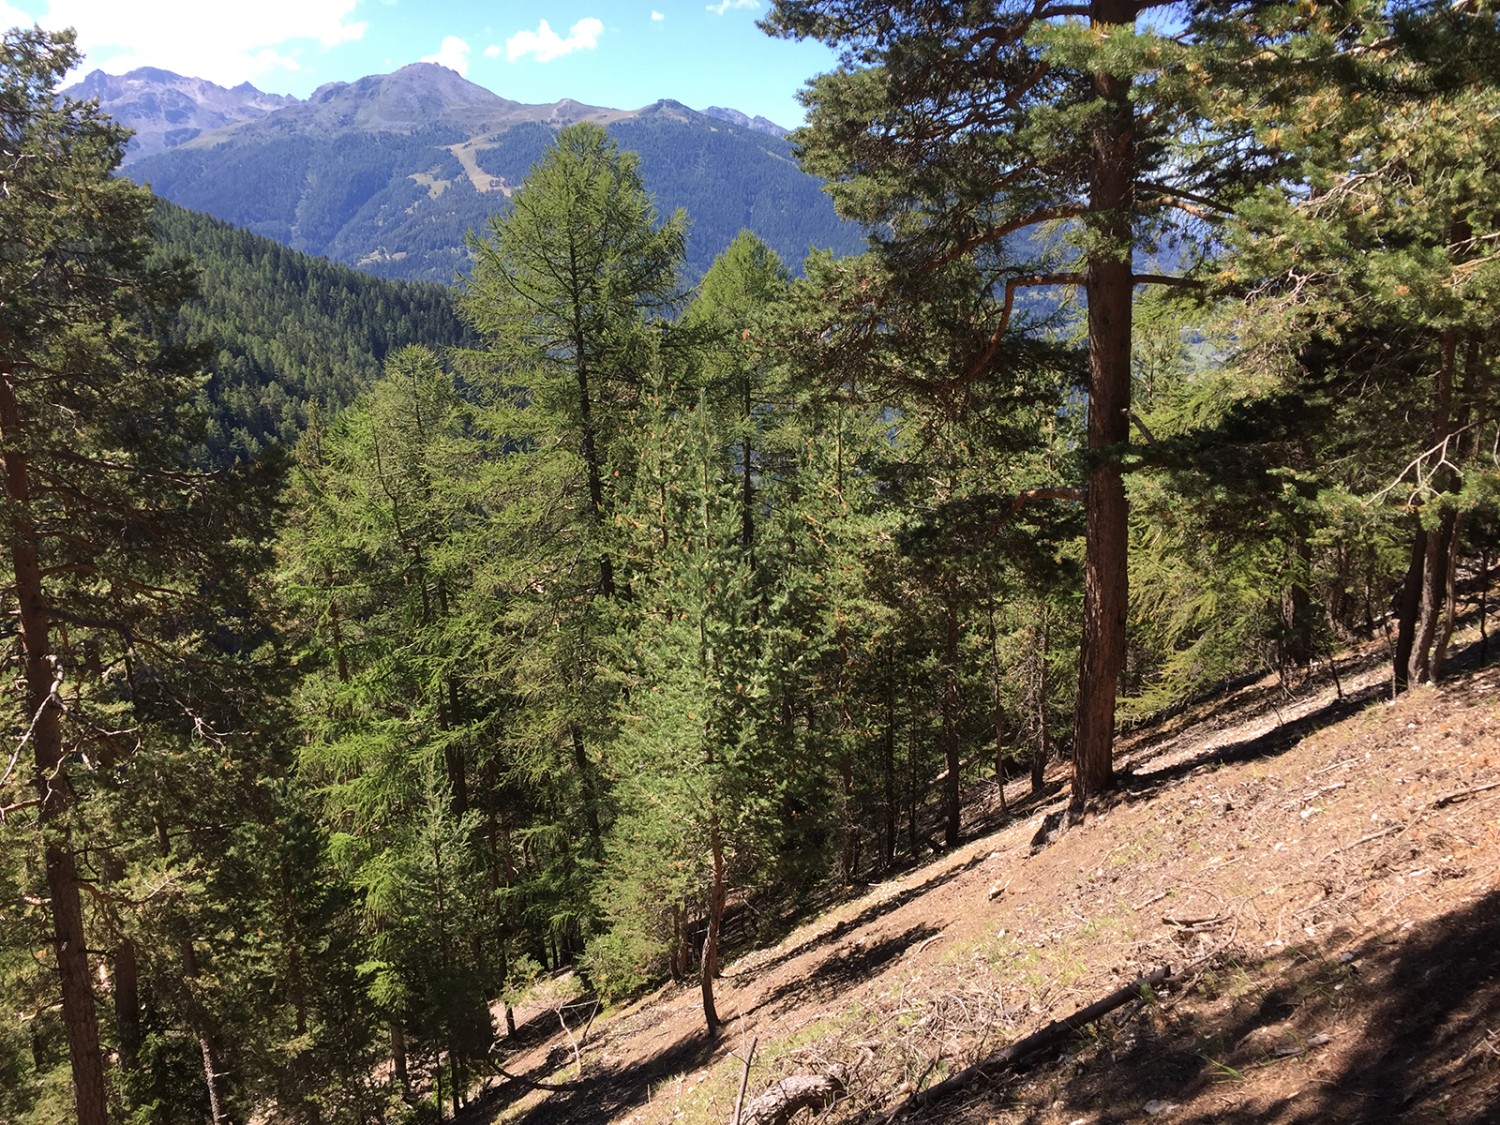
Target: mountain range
x=391 y=172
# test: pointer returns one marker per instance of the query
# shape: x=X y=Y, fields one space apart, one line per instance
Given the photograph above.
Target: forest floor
x=1320 y=869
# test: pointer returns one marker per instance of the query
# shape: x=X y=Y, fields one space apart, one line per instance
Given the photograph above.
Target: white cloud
x=13 y=17
x=492 y=51
x=454 y=54
x=657 y=17
x=544 y=44
x=726 y=5
x=226 y=43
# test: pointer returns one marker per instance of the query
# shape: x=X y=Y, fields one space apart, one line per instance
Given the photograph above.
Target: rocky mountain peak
x=744 y=121
x=167 y=109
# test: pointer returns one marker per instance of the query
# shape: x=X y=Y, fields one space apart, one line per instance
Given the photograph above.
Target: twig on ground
x=1463 y=795
x=1364 y=840
x=739 y=1101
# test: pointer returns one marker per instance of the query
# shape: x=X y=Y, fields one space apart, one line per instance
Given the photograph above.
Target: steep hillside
x=1316 y=869
x=290 y=330
x=390 y=173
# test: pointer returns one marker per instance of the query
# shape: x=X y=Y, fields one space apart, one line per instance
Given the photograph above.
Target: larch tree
x=116 y=549
x=389 y=708
x=563 y=286
x=569 y=292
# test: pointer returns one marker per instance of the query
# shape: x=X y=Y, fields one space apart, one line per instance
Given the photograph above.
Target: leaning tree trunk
x=1108 y=285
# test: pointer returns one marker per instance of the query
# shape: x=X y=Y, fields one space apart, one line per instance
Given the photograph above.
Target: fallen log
x=785 y=1099
x=1023 y=1051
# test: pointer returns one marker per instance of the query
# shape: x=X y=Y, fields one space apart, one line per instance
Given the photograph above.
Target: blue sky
x=616 y=53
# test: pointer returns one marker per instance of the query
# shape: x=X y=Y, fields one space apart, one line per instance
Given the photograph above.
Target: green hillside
x=288 y=329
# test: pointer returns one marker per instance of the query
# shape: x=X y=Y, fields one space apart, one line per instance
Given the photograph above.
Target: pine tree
x=1383 y=125
x=962 y=135
x=116 y=553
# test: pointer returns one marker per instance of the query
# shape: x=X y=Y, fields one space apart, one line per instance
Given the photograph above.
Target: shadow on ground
x=845 y=967
x=866 y=916
x=1145 y=782
x=605 y=1095
x=1277 y=741
x=1422 y=1009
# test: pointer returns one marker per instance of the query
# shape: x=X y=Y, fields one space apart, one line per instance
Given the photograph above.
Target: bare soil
x=1320 y=869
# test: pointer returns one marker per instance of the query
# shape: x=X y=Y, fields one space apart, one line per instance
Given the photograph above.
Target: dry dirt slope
x=1321 y=874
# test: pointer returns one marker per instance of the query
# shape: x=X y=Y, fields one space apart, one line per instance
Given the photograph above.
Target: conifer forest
x=373 y=651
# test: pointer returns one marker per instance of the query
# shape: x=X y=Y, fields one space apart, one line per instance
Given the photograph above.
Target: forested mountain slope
x=631 y=636
x=287 y=330
x=1317 y=872
x=390 y=173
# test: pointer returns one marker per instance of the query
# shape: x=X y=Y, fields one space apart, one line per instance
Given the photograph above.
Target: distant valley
x=390 y=173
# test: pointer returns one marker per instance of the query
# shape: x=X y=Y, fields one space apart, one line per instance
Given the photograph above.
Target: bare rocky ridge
x=167 y=110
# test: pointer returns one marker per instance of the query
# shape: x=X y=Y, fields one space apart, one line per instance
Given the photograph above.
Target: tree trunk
x=79 y=1017
x=911 y=789
x=1469 y=414
x=1296 y=605
x=127 y=988
x=54 y=793
x=1108 y=287
x=202 y=1026
x=999 y=711
x=1434 y=573
x=398 y=1056
x=1484 y=605
x=888 y=838
x=1042 y=753
x=1408 y=603
x=586 y=783
x=708 y=968
x=449 y=713
x=1433 y=582
x=590 y=451
x=952 y=751
x=747 y=482
x=1450 y=598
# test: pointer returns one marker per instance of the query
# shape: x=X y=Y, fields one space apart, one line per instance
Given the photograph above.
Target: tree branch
x=1165 y=279
x=1011 y=285
x=1031 y=495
